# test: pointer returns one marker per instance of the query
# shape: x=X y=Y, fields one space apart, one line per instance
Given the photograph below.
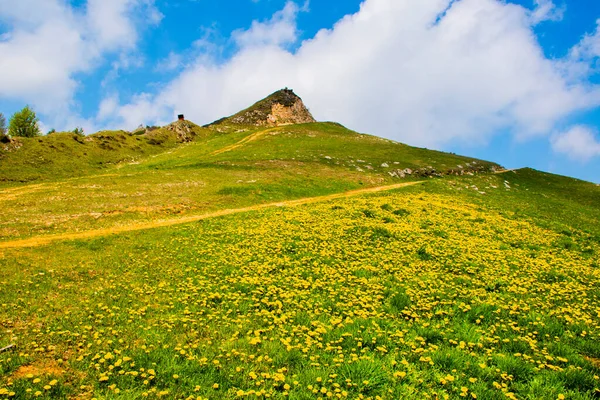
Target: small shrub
x=424 y=254
x=386 y=207
x=401 y=212
x=399 y=301
x=154 y=141
x=495 y=287
x=381 y=233
x=552 y=276
x=369 y=214
x=441 y=234
x=565 y=243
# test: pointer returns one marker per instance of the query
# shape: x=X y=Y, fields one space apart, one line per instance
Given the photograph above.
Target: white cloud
x=48 y=42
x=280 y=30
x=170 y=63
x=589 y=47
x=578 y=143
x=546 y=10
x=107 y=108
x=112 y=22
x=426 y=72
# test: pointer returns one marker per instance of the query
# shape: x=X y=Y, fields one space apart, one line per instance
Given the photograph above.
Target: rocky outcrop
x=185 y=130
x=283 y=107
x=471 y=168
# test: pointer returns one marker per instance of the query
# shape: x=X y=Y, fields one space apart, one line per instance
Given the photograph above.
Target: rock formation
x=283 y=107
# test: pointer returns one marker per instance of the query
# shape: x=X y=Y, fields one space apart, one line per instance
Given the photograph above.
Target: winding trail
x=245 y=140
x=44 y=240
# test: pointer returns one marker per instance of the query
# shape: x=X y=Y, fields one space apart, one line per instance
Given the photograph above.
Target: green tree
x=4 y=138
x=24 y=123
x=2 y=124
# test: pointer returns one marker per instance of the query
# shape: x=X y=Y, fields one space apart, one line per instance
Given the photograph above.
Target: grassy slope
x=422 y=293
x=282 y=163
x=65 y=155
x=559 y=203
x=484 y=284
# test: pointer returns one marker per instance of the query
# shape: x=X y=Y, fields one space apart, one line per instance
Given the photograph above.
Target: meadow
x=65 y=190
x=436 y=291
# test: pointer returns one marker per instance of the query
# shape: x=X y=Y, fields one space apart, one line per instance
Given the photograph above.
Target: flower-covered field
x=389 y=296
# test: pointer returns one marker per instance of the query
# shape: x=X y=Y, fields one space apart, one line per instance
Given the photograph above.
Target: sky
x=516 y=82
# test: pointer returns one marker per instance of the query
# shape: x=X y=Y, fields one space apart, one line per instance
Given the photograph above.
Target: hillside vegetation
x=214 y=171
x=232 y=262
x=66 y=154
x=412 y=294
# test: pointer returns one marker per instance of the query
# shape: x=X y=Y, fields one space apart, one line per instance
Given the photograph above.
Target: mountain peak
x=284 y=107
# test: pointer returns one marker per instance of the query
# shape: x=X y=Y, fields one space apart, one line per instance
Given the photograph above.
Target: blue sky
x=516 y=82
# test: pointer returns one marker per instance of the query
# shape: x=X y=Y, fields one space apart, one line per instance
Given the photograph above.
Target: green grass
x=483 y=284
x=64 y=155
x=308 y=297
x=169 y=180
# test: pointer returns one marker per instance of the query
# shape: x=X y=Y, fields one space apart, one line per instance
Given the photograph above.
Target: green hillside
x=154 y=176
x=297 y=261
x=65 y=154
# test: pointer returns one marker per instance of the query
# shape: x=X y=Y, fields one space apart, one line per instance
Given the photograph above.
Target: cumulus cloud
x=48 y=42
x=589 y=47
x=546 y=10
x=280 y=30
x=170 y=63
x=426 y=72
x=107 y=108
x=578 y=143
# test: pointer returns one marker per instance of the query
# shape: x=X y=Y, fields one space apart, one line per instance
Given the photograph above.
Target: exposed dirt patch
x=45 y=367
x=594 y=361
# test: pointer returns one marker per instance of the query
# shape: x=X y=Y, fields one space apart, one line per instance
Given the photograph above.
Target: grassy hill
x=138 y=180
x=65 y=154
x=229 y=278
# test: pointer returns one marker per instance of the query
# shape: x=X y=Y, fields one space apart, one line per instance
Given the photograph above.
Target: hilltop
x=280 y=120
x=284 y=107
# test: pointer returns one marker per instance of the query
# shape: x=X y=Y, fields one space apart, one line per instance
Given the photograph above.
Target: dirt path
x=44 y=240
x=12 y=193
x=245 y=140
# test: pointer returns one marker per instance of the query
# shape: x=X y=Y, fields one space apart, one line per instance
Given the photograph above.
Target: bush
x=24 y=123
x=399 y=301
x=2 y=125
